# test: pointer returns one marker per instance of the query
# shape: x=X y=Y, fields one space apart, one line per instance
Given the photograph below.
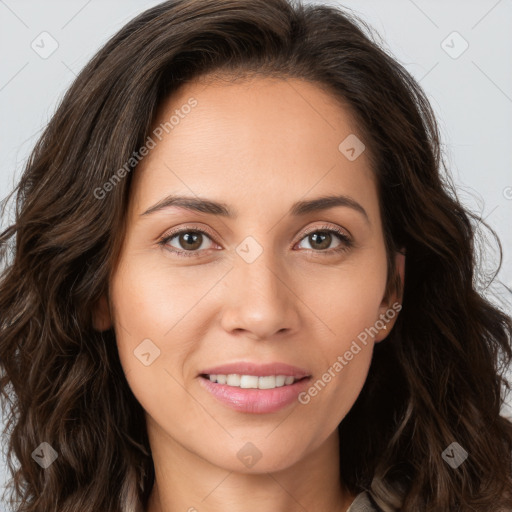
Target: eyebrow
x=217 y=208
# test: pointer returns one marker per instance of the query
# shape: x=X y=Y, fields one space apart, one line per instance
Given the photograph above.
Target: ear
x=392 y=303
x=102 y=320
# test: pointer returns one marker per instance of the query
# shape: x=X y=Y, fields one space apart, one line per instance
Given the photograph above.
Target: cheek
x=146 y=306
x=153 y=301
x=347 y=299
x=347 y=302
x=143 y=312
x=151 y=298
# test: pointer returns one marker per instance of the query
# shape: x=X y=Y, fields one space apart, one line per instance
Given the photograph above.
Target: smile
x=252 y=381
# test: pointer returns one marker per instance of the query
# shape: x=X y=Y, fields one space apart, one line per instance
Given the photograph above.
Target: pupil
x=324 y=236
x=195 y=236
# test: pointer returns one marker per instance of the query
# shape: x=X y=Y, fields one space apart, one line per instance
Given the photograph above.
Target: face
x=275 y=281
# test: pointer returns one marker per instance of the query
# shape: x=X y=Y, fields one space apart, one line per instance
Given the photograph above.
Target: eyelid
x=333 y=227
x=188 y=227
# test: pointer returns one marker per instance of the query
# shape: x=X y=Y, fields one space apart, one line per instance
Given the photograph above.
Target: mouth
x=253 y=387
x=253 y=381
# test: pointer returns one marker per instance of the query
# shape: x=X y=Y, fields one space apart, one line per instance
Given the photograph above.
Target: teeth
x=280 y=380
x=233 y=380
x=249 y=381
x=253 y=381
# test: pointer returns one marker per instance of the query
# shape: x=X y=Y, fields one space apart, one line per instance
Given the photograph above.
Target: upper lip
x=256 y=369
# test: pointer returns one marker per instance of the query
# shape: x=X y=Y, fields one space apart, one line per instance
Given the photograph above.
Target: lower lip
x=258 y=401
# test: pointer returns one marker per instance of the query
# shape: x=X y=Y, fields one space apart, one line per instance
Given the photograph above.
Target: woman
x=238 y=280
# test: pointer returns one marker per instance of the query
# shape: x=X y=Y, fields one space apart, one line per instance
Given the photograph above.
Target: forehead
x=258 y=143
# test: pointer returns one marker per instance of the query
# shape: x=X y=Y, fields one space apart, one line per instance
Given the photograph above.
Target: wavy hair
x=438 y=378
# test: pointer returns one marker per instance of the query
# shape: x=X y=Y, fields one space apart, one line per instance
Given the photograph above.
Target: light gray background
x=471 y=94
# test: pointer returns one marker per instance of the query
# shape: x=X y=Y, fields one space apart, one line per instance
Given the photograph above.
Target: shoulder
x=362 y=503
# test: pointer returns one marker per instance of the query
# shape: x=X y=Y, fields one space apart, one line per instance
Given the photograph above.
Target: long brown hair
x=438 y=378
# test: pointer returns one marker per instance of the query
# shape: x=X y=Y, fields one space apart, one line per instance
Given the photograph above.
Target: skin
x=258 y=145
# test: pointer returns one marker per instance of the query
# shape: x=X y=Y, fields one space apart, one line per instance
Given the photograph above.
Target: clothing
x=361 y=503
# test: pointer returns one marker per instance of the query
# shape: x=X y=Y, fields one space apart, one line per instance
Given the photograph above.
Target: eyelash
x=344 y=246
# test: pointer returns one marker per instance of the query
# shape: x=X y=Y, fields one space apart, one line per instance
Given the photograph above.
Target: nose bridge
x=260 y=299
x=259 y=274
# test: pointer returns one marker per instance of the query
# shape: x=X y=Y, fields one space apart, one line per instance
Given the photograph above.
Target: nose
x=259 y=299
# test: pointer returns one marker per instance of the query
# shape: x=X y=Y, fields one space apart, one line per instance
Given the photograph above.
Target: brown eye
x=186 y=242
x=190 y=240
x=321 y=239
